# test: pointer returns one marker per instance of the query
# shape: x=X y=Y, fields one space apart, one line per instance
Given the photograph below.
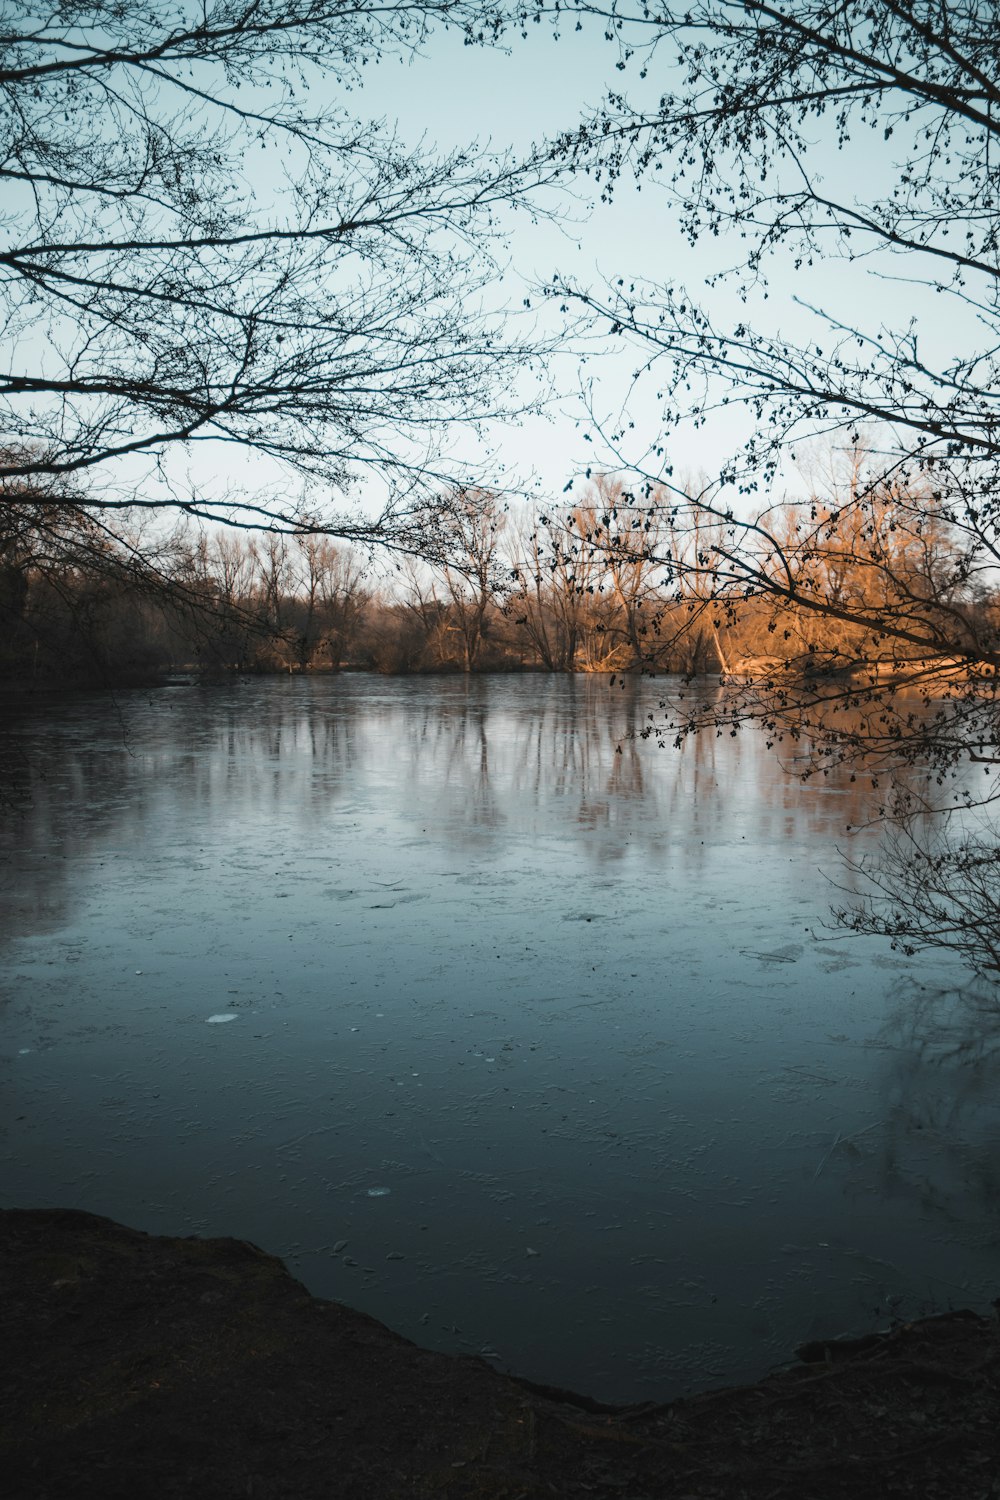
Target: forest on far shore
x=610 y=586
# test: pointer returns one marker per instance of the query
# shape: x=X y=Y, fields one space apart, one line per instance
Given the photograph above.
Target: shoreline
x=135 y=1365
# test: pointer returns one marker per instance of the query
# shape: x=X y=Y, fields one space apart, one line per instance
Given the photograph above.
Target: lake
x=518 y=1032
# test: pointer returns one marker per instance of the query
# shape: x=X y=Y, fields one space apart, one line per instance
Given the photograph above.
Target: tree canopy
x=804 y=134
x=204 y=249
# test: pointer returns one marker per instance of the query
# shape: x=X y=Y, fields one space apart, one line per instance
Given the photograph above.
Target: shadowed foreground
x=134 y=1366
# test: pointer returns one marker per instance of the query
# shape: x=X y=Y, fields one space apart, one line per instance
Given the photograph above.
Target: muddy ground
x=133 y=1366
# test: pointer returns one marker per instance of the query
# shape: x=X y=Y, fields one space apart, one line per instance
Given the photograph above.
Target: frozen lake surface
x=518 y=1033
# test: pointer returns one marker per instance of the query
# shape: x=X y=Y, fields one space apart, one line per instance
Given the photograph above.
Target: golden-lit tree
x=901 y=555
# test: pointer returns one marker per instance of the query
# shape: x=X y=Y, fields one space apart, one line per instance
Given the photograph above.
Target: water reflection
x=941 y=1085
x=552 y=988
x=490 y=751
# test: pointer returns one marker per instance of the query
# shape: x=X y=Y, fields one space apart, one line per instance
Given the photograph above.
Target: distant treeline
x=288 y=604
x=607 y=587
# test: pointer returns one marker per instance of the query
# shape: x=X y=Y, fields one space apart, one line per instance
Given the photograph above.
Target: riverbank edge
x=136 y=1366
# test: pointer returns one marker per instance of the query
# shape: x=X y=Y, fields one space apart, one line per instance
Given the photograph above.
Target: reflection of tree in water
x=597 y=765
x=483 y=758
x=442 y=742
x=940 y=1141
x=127 y=774
x=934 y=884
x=482 y=754
x=467 y=759
x=933 y=881
x=463 y=743
x=15 y=776
x=278 y=754
x=628 y=776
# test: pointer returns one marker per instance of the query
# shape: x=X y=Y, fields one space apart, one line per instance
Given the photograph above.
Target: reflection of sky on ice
x=500 y=989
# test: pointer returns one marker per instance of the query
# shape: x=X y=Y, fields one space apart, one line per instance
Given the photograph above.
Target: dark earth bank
x=134 y=1366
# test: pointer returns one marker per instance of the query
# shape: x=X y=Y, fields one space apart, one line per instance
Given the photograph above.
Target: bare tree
x=887 y=581
x=732 y=144
x=197 y=260
x=332 y=599
x=619 y=533
x=548 y=600
x=64 y=572
x=932 y=889
x=474 y=521
x=274 y=579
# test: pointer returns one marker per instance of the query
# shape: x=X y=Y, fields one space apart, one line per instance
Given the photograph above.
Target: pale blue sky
x=534 y=90
x=453 y=94
x=450 y=95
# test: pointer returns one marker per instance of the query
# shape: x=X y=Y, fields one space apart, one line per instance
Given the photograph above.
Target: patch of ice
x=228 y=1015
